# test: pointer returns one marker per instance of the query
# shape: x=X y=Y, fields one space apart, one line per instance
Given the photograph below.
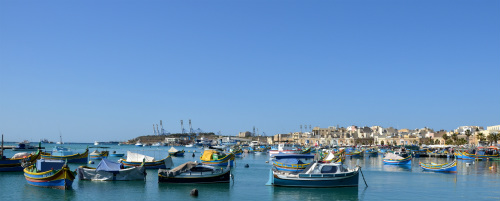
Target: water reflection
x=397 y=168
x=34 y=193
x=287 y=193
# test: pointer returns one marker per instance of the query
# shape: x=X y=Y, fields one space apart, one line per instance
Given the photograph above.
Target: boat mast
x=1 y=151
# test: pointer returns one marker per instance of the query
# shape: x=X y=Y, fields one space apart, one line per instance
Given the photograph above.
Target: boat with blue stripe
x=50 y=174
x=445 y=167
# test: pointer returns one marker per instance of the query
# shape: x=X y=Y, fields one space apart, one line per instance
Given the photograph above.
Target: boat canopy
x=108 y=166
x=135 y=157
x=172 y=150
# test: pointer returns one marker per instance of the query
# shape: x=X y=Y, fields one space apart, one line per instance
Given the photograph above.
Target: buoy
x=247 y=166
x=194 y=192
x=193 y=155
x=267 y=161
x=91 y=162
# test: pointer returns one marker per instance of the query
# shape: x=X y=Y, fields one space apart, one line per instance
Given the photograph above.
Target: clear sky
x=107 y=70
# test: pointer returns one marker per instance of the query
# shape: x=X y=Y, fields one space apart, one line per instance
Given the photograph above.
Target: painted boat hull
x=149 y=165
x=229 y=158
x=216 y=178
x=443 y=168
x=405 y=161
x=14 y=165
x=60 y=179
x=318 y=182
x=75 y=158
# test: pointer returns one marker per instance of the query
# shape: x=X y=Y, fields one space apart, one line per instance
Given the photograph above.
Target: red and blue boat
x=50 y=174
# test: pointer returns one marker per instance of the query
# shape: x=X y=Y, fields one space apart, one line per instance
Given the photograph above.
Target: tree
x=454 y=137
x=480 y=137
x=436 y=142
x=493 y=138
x=445 y=138
x=382 y=143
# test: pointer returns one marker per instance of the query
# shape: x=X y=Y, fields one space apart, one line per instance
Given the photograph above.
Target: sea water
x=385 y=182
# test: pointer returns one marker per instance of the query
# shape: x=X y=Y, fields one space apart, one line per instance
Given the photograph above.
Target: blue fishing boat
x=290 y=165
x=217 y=158
x=445 y=167
x=15 y=164
x=50 y=174
x=371 y=152
x=316 y=175
x=174 y=152
x=61 y=153
x=98 y=155
x=397 y=158
x=114 y=154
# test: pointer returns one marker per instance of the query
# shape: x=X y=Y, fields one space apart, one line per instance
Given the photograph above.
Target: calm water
x=386 y=182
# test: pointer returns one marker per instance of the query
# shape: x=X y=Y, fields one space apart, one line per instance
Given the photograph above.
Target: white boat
x=111 y=171
x=157 y=144
x=190 y=145
x=283 y=149
x=96 y=143
x=139 y=144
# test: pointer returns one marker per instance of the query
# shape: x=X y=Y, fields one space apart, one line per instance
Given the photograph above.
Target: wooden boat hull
x=405 y=161
x=448 y=167
x=15 y=165
x=215 y=178
x=75 y=158
x=315 y=181
x=116 y=155
x=60 y=179
x=149 y=165
x=127 y=174
x=290 y=167
x=229 y=158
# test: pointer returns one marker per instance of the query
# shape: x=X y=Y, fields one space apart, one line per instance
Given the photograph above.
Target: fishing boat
x=111 y=171
x=282 y=148
x=217 y=158
x=98 y=155
x=65 y=154
x=351 y=152
x=24 y=146
x=14 y=164
x=397 y=158
x=193 y=172
x=317 y=175
x=114 y=154
x=174 y=152
x=237 y=152
x=445 y=167
x=189 y=145
x=139 y=144
x=50 y=174
x=137 y=160
x=290 y=165
x=371 y=152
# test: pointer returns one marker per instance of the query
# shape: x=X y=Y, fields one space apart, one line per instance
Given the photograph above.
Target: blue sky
x=108 y=70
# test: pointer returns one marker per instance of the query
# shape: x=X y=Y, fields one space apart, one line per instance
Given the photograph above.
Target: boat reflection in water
x=396 y=168
x=308 y=193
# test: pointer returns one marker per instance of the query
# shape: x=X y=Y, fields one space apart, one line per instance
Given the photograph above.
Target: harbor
x=250 y=173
